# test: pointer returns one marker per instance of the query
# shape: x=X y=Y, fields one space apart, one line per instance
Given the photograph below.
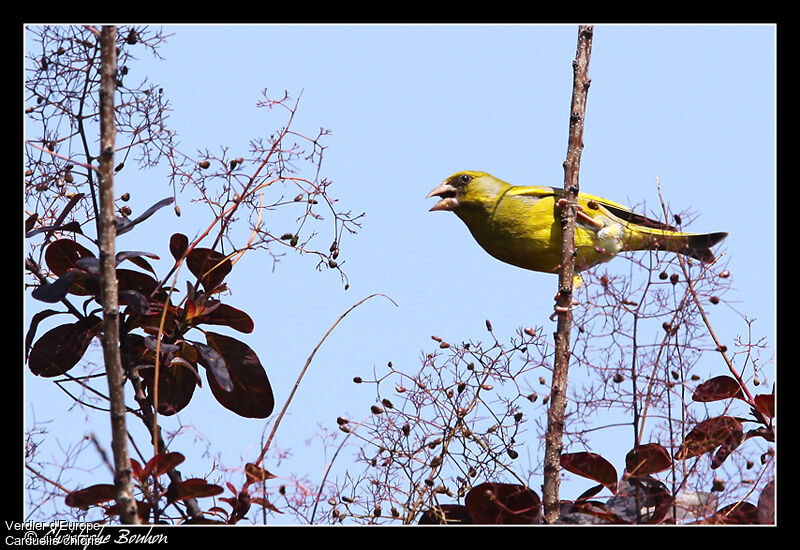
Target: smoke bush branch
x=558 y=400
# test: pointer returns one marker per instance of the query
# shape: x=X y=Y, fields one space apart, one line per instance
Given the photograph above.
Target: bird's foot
x=580 y=214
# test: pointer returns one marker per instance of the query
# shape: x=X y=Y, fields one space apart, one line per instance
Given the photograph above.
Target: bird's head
x=466 y=190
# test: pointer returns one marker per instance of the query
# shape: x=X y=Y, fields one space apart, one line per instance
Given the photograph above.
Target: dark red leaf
x=215 y=364
x=191 y=488
x=176 y=384
x=589 y=493
x=592 y=466
x=240 y=505
x=62 y=254
x=35 y=320
x=740 y=513
x=60 y=348
x=256 y=473
x=136 y=468
x=30 y=221
x=124 y=224
x=251 y=395
x=765 y=404
x=727 y=446
x=137 y=258
x=209 y=266
x=137 y=301
x=766 y=505
x=502 y=503
x=90 y=496
x=719 y=387
x=51 y=293
x=228 y=316
x=136 y=280
x=72 y=226
x=446 y=514
x=178 y=244
x=162 y=463
x=647 y=459
x=651 y=496
x=265 y=504
x=707 y=436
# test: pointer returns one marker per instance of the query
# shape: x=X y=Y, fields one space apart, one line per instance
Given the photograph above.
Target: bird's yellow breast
x=525 y=231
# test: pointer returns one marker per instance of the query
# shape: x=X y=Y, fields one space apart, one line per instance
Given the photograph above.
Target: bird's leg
x=579 y=213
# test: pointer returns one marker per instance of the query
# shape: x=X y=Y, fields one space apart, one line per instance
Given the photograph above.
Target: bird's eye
x=464 y=179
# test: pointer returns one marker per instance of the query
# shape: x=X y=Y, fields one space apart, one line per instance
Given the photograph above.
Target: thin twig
x=303 y=372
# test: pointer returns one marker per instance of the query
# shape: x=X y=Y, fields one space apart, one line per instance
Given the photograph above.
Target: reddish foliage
x=235 y=374
x=592 y=466
x=503 y=503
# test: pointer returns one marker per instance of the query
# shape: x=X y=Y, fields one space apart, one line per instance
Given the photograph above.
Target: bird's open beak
x=448 y=195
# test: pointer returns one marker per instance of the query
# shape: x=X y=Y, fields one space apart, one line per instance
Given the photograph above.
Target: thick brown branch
x=110 y=336
x=558 y=389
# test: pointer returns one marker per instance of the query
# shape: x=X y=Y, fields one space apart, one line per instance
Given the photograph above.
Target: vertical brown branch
x=110 y=336
x=558 y=395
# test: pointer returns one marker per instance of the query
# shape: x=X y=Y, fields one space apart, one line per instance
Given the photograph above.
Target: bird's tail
x=694 y=245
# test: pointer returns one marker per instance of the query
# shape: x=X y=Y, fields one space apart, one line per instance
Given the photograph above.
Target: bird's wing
x=618 y=210
x=627 y=214
x=533 y=191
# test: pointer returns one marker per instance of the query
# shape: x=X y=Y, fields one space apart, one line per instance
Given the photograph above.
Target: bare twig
x=303 y=372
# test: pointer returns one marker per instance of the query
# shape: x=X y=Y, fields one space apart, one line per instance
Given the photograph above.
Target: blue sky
x=408 y=105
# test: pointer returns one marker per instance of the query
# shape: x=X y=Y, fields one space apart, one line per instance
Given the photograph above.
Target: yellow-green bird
x=521 y=225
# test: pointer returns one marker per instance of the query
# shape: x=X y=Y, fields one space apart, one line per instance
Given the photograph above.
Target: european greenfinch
x=521 y=225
